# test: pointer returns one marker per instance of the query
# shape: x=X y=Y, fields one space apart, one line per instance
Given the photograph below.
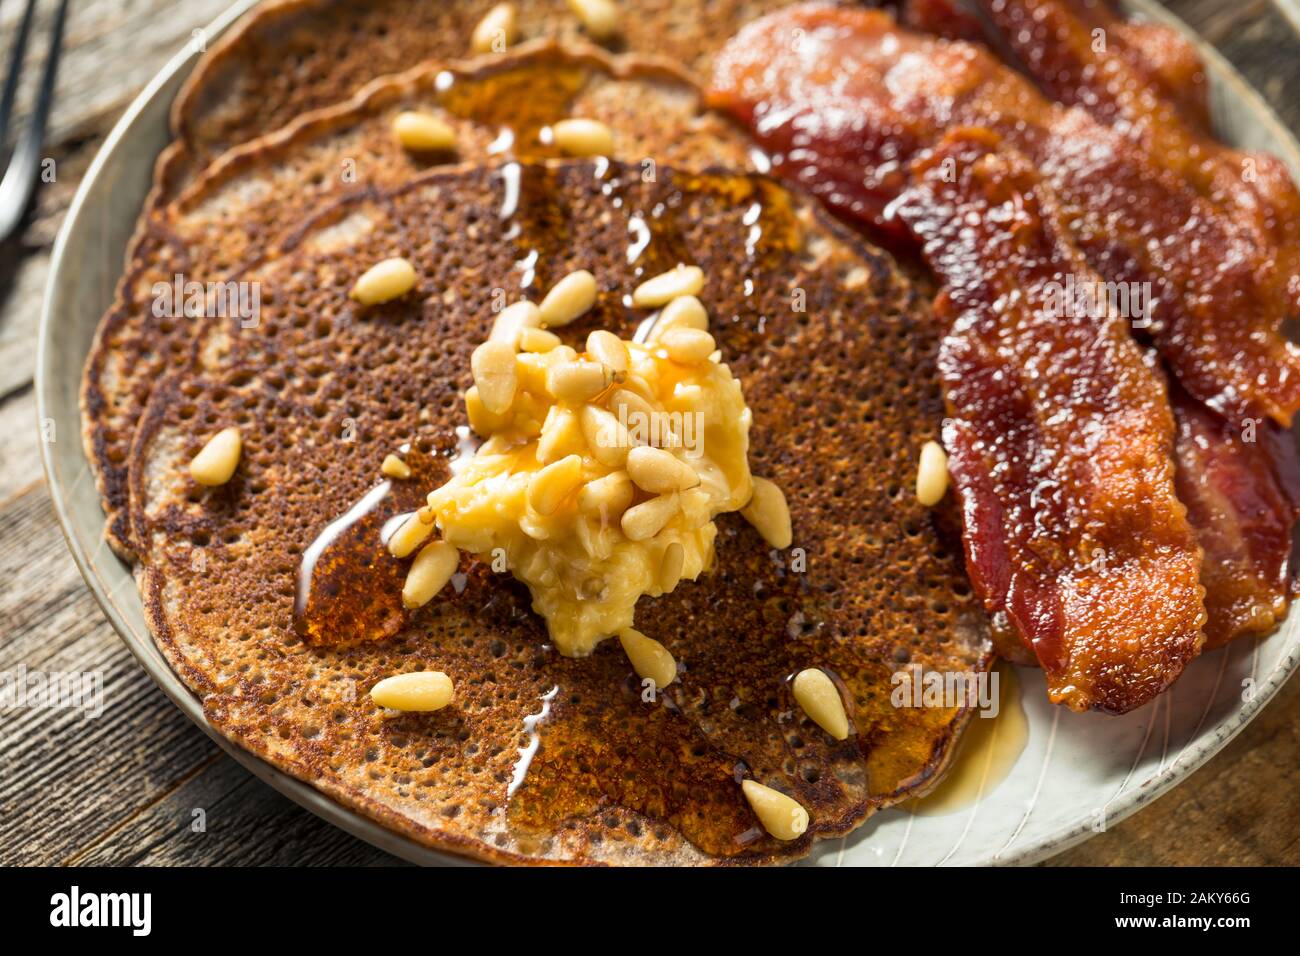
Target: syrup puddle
x=348 y=587
x=332 y=532
x=987 y=751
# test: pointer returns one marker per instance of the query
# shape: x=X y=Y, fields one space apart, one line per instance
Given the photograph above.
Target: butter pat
x=553 y=490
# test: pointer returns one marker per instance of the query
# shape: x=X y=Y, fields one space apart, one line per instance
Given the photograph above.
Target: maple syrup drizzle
x=349 y=586
x=331 y=533
x=532 y=727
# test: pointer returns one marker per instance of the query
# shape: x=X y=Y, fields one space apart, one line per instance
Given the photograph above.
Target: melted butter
x=584 y=574
x=987 y=751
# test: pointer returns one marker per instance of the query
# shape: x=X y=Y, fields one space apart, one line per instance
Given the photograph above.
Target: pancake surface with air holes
x=835 y=352
x=244 y=205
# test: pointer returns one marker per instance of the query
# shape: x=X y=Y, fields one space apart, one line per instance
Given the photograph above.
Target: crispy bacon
x=1077 y=53
x=1160 y=53
x=1146 y=81
x=1060 y=438
x=1243 y=511
x=945 y=18
x=844 y=99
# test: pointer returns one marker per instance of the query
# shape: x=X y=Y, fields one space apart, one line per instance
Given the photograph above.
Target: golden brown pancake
x=237 y=209
x=287 y=58
x=835 y=352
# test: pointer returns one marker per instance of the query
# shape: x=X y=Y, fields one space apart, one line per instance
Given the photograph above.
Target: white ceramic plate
x=1076 y=773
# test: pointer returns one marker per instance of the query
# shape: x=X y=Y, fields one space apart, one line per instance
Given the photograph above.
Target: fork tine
x=15 y=68
x=20 y=178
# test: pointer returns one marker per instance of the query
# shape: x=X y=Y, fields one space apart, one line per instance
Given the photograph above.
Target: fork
x=20 y=176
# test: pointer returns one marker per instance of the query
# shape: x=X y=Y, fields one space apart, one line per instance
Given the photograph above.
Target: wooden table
x=123 y=788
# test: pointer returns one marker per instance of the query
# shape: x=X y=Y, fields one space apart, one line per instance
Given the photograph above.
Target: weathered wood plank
x=112 y=48
x=223 y=815
x=20 y=463
x=67 y=774
x=20 y=315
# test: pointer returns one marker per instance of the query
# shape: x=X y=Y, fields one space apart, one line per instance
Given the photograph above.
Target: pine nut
x=215 y=464
x=671 y=566
x=578 y=381
x=607 y=349
x=607 y=497
x=493 y=365
x=606 y=437
x=411 y=533
x=644 y=521
x=768 y=512
x=683 y=312
x=781 y=816
x=650 y=659
x=599 y=18
x=483 y=422
x=932 y=474
x=687 y=346
x=537 y=340
x=496 y=31
x=663 y=288
x=429 y=574
x=423 y=132
x=384 y=281
x=583 y=137
x=659 y=472
x=561 y=435
x=821 y=701
x=394 y=467
x=638 y=384
x=569 y=299
x=631 y=404
x=550 y=486
x=417 y=691
x=509 y=325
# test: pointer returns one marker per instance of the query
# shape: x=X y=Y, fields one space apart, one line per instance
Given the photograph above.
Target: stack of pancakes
x=285 y=178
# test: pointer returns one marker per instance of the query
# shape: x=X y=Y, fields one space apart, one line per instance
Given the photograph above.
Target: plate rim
x=1218 y=68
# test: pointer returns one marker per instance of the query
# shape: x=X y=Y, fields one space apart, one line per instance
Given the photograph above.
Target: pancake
x=287 y=58
x=836 y=354
x=235 y=212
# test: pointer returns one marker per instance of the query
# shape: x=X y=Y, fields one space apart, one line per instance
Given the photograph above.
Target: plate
x=1077 y=773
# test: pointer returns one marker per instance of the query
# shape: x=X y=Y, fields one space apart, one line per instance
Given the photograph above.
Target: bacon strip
x=1060 y=438
x=1077 y=54
x=1146 y=81
x=1243 y=512
x=856 y=97
x=844 y=98
x=1159 y=53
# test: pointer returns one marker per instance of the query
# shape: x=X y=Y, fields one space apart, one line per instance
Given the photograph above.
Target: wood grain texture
x=127 y=787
